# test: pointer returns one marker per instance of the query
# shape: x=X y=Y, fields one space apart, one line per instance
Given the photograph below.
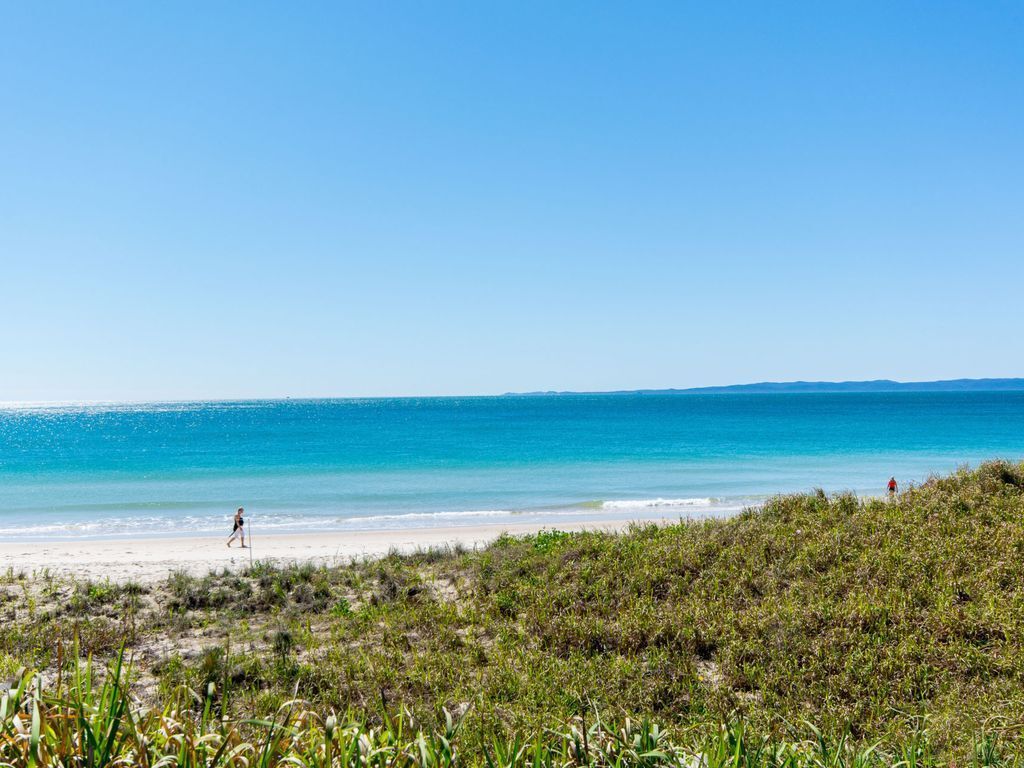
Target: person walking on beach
x=239 y=529
x=892 y=487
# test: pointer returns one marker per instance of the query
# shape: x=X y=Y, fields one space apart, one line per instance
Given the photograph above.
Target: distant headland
x=771 y=387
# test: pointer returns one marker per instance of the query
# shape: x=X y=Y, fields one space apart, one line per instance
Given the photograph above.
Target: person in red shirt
x=892 y=487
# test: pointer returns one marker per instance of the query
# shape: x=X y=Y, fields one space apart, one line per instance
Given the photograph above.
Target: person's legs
x=235 y=534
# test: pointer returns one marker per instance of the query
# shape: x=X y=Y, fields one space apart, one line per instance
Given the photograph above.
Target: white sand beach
x=151 y=559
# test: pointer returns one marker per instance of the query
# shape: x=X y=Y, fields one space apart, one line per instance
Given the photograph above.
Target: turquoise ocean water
x=182 y=468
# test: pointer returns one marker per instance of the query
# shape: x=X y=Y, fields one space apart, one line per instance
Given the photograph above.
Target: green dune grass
x=817 y=625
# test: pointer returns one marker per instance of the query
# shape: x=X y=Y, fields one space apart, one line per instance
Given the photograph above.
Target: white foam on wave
x=210 y=525
x=659 y=502
x=114 y=526
x=284 y=522
x=430 y=515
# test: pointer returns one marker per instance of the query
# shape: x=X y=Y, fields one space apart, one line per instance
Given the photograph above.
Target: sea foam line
x=659 y=502
x=296 y=521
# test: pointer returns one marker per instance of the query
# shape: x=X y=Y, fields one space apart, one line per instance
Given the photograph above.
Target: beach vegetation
x=893 y=627
x=89 y=719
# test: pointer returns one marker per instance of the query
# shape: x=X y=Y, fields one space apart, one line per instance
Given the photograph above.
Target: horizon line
x=719 y=389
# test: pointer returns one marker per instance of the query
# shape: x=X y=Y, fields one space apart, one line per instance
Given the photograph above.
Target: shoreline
x=153 y=559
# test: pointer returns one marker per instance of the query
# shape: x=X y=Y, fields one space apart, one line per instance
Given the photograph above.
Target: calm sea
x=182 y=468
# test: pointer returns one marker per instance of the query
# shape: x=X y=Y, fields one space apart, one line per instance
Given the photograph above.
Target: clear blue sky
x=239 y=199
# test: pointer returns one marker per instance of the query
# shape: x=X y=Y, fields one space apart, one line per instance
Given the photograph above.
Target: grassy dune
x=889 y=624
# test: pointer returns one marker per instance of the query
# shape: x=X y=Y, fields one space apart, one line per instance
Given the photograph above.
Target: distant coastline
x=831 y=387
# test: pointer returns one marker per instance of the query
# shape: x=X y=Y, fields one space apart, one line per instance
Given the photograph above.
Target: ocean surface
x=182 y=468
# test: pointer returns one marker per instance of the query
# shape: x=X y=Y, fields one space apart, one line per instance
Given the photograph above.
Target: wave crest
x=659 y=502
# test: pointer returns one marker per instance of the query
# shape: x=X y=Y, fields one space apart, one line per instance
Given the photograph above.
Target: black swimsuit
x=238 y=524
